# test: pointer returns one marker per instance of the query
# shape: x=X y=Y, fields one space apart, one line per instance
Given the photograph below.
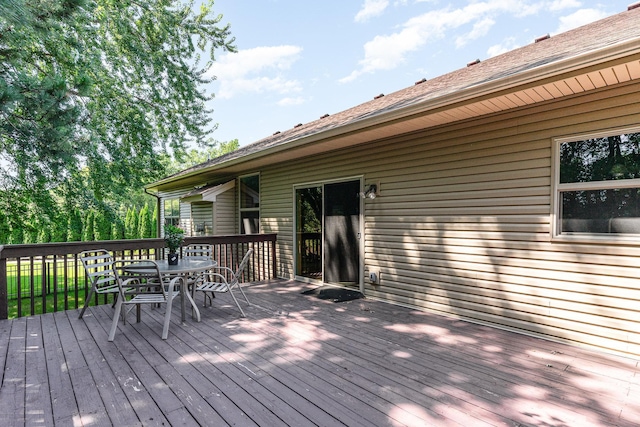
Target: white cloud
x=385 y=52
x=370 y=9
x=288 y=102
x=255 y=70
x=564 y=4
x=480 y=28
x=506 y=46
x=388 y=51
x=579 y=18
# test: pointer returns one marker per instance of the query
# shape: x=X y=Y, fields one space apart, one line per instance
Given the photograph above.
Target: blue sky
x=299 y=59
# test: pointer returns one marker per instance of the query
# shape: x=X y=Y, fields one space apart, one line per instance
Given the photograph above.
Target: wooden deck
x=301 y=361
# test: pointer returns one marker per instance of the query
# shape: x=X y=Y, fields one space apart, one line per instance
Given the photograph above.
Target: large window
x=250 y=204
x=598 y=185
x=172 y=212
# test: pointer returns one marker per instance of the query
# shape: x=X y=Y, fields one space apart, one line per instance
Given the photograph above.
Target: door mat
x=334 y=294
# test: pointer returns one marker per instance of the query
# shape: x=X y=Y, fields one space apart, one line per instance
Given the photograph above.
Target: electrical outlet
x=374 y=276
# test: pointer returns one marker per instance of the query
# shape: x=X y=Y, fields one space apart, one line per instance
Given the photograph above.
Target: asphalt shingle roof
x=618 y=28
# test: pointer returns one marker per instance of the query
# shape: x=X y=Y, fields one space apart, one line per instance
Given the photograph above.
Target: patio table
x=185 y=267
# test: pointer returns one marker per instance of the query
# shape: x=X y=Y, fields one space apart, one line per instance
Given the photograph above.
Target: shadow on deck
x=298 y=360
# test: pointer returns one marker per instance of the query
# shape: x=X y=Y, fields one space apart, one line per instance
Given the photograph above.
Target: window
x=250 y=204
x=598 y=185
x=172 y=212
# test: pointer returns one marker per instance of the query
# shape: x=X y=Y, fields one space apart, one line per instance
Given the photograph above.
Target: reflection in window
x=172 y=212
x=599 y=185
x=309 y=232
x=250 y=204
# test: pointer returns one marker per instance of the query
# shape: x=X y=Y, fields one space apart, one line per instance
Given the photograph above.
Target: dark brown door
x=341 y=231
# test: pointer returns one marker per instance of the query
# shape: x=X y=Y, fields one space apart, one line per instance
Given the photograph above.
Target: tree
x=117 y=229
x=74 y=230
x=144 y=223
x=154 y=221
x=102 y=225
x=5 y=231
x=88 y=233
x=131 y=224
x=93 y=93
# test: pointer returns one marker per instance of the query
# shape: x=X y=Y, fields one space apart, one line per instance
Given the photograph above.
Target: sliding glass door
x=328 y=232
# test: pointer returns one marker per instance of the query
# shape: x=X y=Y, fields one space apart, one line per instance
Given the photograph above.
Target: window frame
x=557 y=188
x=164 y=211
x=242 y=210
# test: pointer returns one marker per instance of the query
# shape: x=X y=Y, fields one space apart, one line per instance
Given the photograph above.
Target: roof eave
x=555 y=70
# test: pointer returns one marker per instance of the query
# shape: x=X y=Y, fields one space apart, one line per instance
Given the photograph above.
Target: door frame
x=360 y=178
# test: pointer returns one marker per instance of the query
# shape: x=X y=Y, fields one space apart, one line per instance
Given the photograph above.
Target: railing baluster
x=4 y=290
x=19 y=286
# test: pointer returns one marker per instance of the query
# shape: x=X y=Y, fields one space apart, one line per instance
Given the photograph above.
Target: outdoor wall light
x=370 y=192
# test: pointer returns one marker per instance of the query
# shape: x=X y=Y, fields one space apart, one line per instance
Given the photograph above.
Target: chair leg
x=167 y=317
x=86 y=303
x=243 y=294
x=209 y=296
x=194 y=308
x=115 y=300
x=114 y=322
x=237 y=303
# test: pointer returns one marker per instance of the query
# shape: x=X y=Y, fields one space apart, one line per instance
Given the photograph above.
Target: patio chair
x=224 y=279
x=145 y=286
x=196 y=251
x=100 y=273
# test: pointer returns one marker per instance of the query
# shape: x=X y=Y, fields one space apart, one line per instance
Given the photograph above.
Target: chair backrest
x=236 y=275
x=198 y=252
x=148 y=272
x=99 y=269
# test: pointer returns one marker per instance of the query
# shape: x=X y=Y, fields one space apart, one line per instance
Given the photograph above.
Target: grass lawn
x=50 y=303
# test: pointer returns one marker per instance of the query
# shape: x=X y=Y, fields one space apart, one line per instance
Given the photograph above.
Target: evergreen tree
x=30 y=234
x=131 y=224
x=44 y=236
x=74 y=229
x=101 y=226
x=17 y=235
x=5 y=231
x=154 y=221
x=117 y=229
x=144 y=223
x=88 y=234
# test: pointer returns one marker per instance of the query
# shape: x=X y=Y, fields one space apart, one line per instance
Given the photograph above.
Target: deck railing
x=39 y=278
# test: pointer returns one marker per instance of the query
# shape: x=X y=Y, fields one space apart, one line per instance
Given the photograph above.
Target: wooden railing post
x=4 y=301
x=274 y=263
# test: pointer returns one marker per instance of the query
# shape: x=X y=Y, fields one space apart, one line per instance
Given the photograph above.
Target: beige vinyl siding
x=225 y=213
x=185 y=208
x=462 y=225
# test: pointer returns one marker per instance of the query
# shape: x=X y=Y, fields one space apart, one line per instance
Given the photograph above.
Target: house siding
x=185 y=208
x=225 y=213
x=462 y=225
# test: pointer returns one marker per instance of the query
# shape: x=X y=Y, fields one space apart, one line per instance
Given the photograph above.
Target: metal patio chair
x=224 y=279
x=101 y=274
x=197 y=251
x=145 y=285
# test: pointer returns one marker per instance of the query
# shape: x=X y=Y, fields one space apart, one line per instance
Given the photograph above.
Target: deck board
x=301 y=361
